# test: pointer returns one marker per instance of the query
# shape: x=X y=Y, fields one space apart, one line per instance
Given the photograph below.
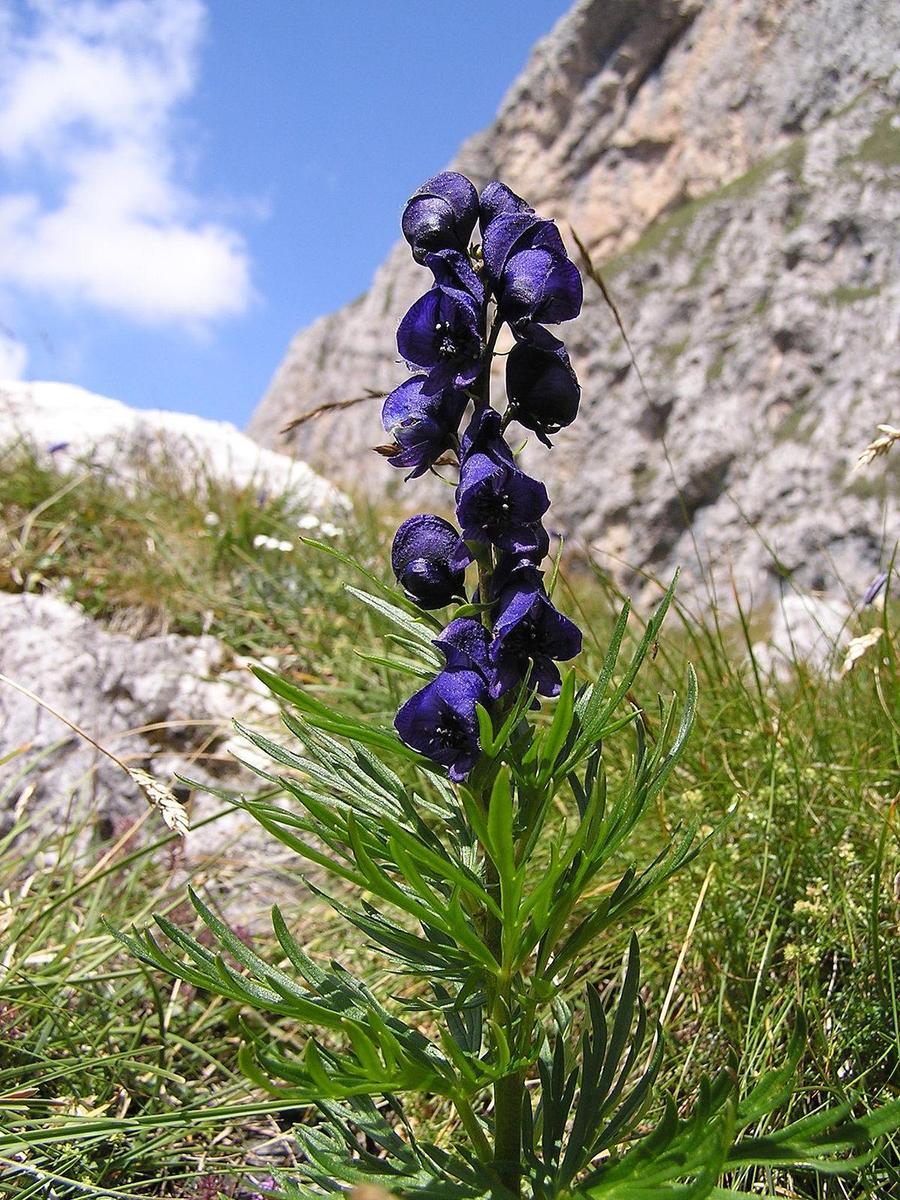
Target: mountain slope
x=732 y=167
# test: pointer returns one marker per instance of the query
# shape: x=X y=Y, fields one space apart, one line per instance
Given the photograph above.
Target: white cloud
x=13 y=357
x=88 y=96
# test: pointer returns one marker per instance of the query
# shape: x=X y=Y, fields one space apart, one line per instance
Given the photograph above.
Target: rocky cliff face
x=733 y=168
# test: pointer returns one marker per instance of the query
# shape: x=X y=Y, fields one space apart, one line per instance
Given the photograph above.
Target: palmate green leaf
x=402 y=666
x=321 y=1073
x=604 y=1112
x=819 y=1140
x=553 y=741
x=500 y=828
x=434 y=952
x=594 y=708
x=687 y=1158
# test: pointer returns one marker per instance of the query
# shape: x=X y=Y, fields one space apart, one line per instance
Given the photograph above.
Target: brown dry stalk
x=332 y=406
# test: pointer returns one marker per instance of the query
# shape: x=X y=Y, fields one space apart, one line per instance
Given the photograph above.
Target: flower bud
x=420 y=558
x=440 y=215
x=542 y=388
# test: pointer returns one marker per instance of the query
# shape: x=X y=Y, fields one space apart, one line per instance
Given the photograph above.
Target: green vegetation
x=116 y=1082
x=667 y=234
x=882 y=146
x=717 y=366
x=849 y=295
x=670 y=352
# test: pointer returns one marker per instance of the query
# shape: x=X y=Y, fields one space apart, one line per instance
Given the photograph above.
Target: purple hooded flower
x=528 y=629
x=530 y=272
x=465 y=646
x=421 y=559
x=423 y=423
x=495 y=501
x=441 y=333
x=440 y=721
x=542 y=388
x=496 y=200
x=440 y=215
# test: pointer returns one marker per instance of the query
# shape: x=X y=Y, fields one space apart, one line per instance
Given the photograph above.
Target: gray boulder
x=161 y=704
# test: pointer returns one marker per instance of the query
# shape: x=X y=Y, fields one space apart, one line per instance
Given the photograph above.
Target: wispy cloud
x=96 y=208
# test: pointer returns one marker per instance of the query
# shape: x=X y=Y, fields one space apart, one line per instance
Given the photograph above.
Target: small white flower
x=284 y=547
x=857 y=649
x=308 y=521
x=261 y=539
x=211 y=520
x=330 y=531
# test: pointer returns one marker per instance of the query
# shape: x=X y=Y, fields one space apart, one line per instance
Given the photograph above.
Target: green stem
x=508 y=1092
x=472 y=1126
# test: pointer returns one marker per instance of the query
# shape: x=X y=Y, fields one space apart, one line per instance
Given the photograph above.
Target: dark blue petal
x=529 y=633
x=442 y=330
x=464 y=644
x=539 y=285
x=483 y=435
x=440 y=215
x=499 y=504
x=421 y=560
x=454 y=270
x=514 y=232
x=440 y=721
x=422 y=422
x=496 y=200
x=542 y=388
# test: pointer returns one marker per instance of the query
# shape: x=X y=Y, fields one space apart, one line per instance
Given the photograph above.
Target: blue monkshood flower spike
x=441 y=333
x=421 y=556
x=495 y=501
x=440 y=215
x=440 y=720
x=542 y=388
x=496 y=200
x=423 y=423
x=529 y=630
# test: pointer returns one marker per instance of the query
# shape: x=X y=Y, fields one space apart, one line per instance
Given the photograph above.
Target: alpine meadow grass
x=623 y=930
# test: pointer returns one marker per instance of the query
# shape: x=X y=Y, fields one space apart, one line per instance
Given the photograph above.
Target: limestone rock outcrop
x=732 y=167
x=163 y=705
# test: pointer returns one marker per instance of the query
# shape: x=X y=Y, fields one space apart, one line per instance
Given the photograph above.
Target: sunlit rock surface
x=162 y=704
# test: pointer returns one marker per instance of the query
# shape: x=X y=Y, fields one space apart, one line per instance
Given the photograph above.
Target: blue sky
x=184 y=185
